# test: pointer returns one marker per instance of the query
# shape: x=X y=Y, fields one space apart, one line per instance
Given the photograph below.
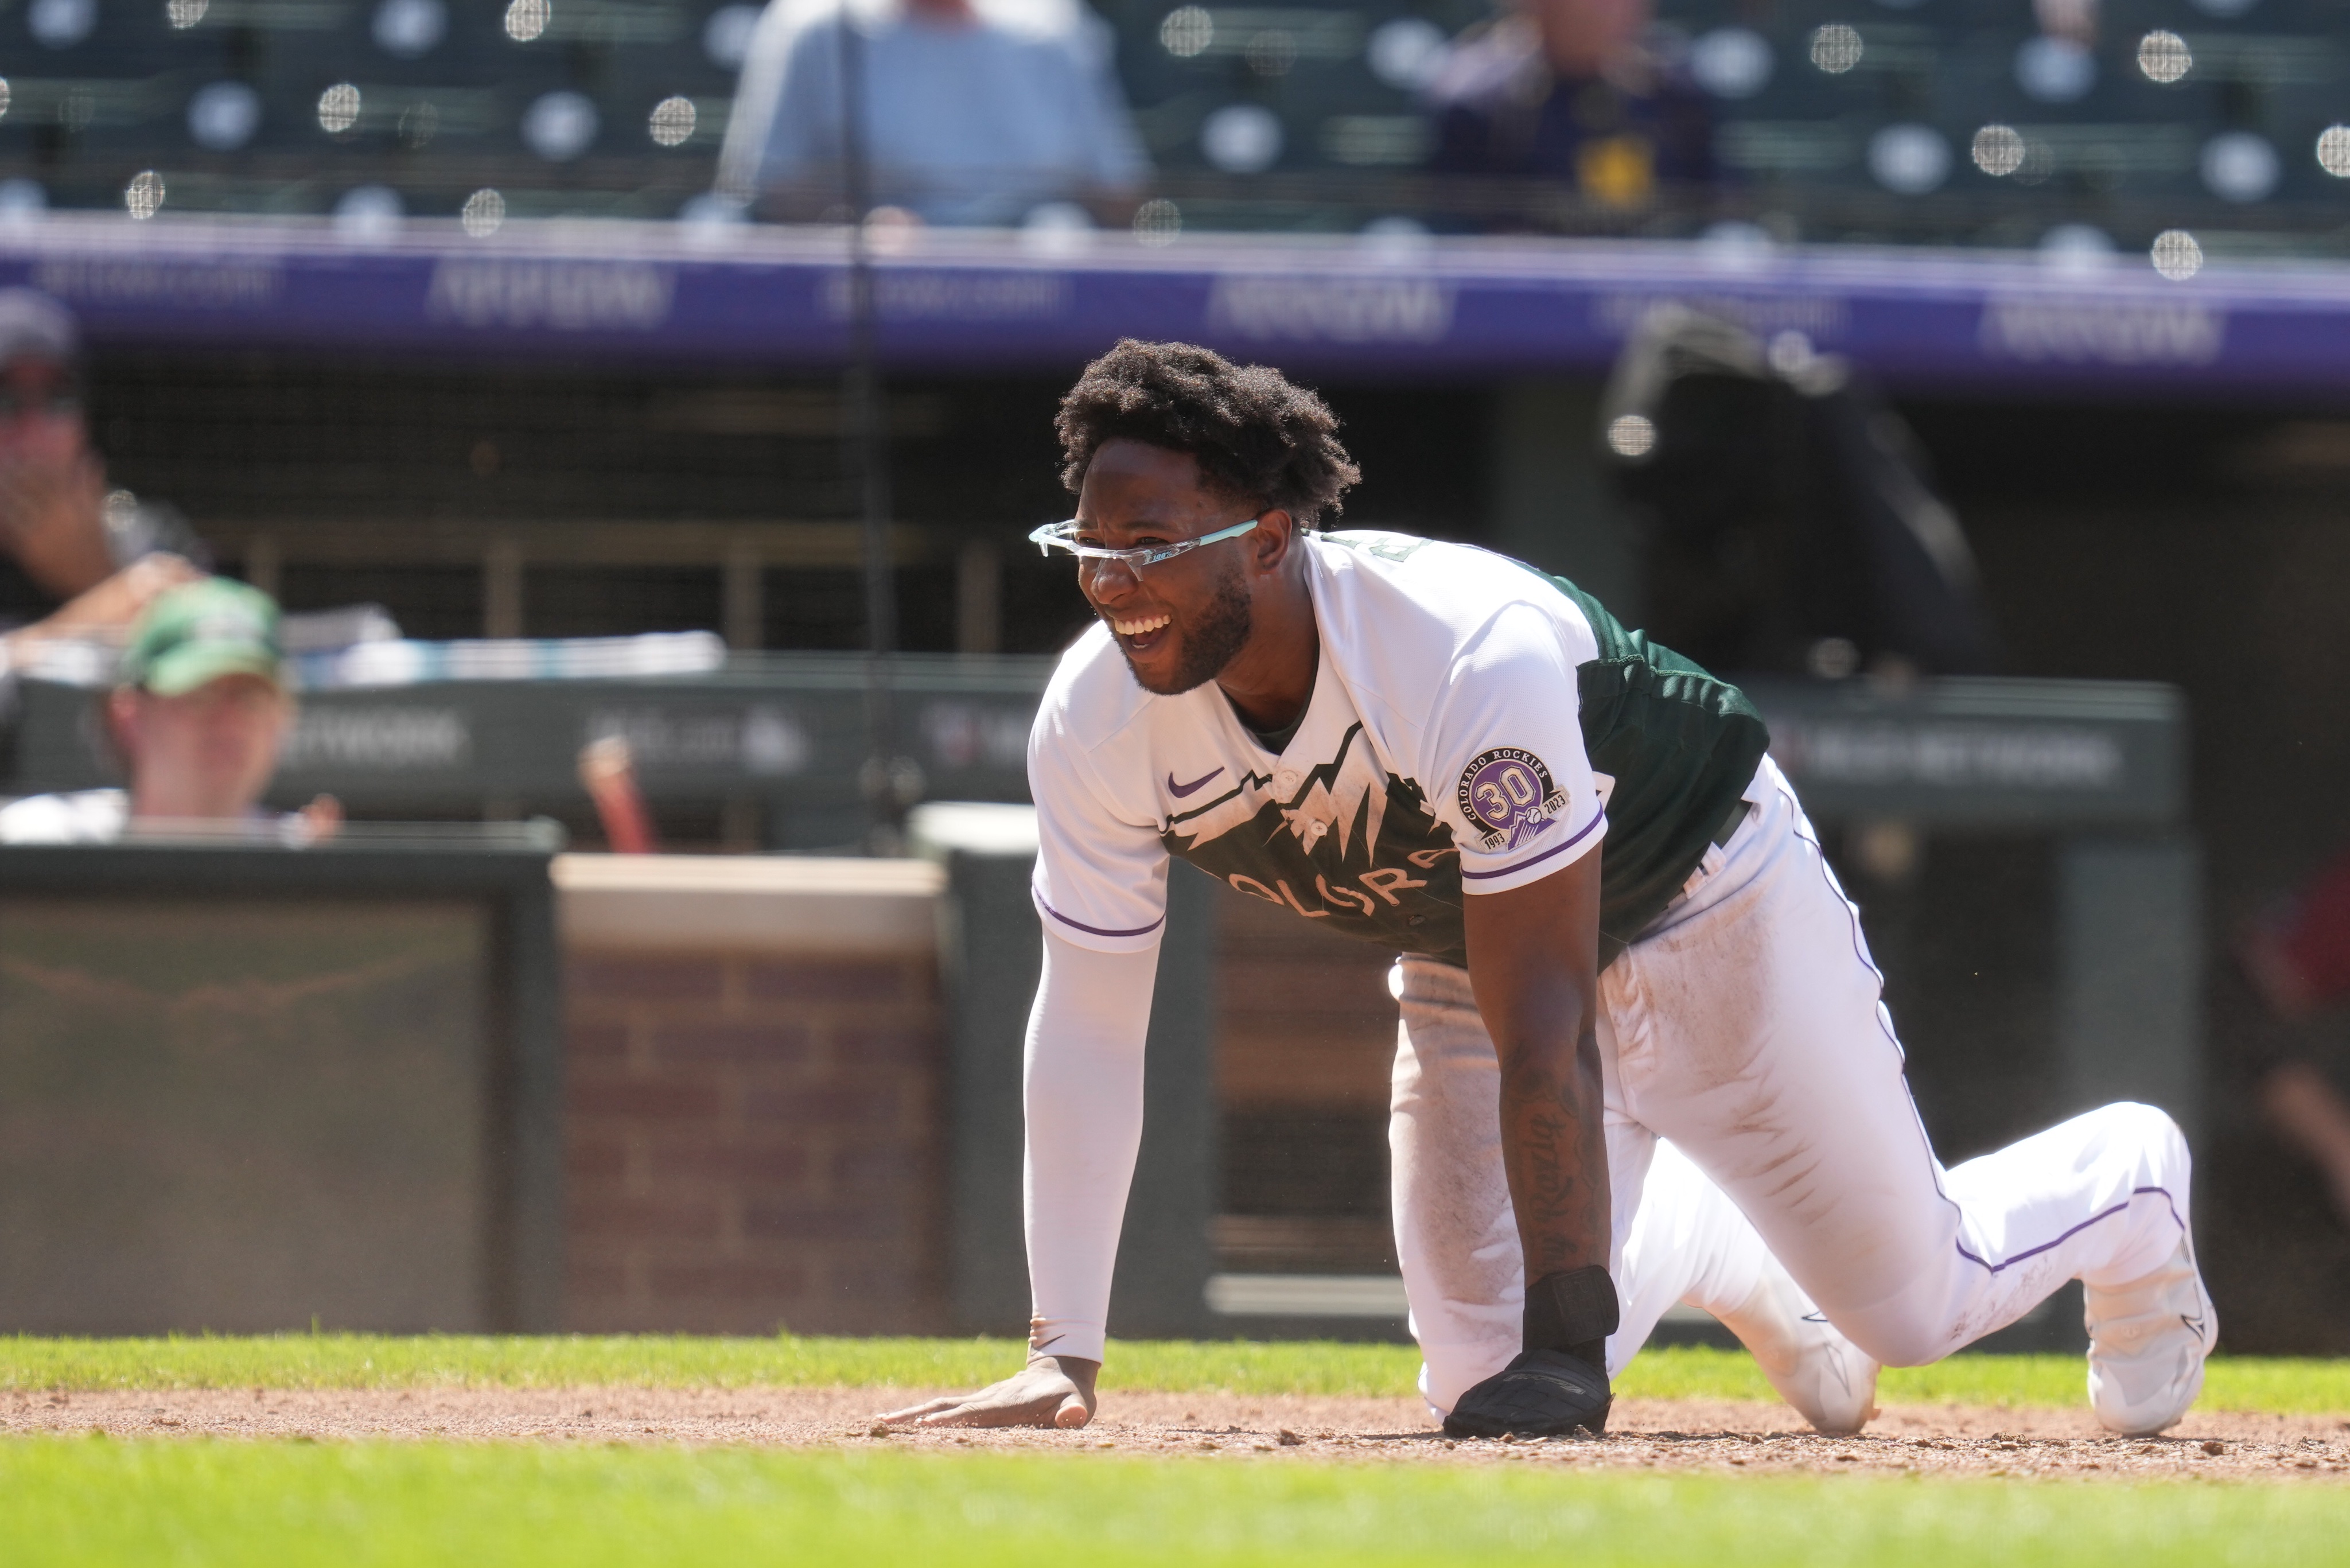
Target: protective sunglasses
x=1055 y=537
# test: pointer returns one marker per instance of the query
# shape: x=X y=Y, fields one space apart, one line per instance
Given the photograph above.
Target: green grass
x=95 y=1504
x=552 y=1361
x=373 y=1361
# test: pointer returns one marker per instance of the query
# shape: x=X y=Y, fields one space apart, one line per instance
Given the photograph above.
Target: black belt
x=1731 y=822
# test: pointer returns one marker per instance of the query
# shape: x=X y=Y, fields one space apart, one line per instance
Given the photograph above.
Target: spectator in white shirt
x=975 y=111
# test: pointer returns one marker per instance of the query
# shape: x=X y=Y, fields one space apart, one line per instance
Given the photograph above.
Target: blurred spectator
x=1572 y=90
x=2298 y=963
x=71 y=537
x=977 y=112
x=197 y=722
x=2073 y=20
x=1787 y=522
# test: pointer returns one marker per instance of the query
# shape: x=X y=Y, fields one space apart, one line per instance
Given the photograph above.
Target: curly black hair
x=1255 y=435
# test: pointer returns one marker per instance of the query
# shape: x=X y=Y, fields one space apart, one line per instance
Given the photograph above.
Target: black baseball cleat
x=1542 y=1394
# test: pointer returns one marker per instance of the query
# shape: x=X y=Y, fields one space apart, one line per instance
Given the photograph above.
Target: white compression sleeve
x=1084 y=1086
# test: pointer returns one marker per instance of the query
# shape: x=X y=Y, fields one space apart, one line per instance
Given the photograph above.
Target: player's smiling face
x=1180 y=621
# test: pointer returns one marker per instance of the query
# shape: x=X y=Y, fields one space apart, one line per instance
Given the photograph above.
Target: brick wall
x=752 y=1140
x=756 y=1137
x=1304 y=1020
x=1305 y=1047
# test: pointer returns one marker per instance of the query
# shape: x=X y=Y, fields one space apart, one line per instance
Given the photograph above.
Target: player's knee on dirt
x=1448 y=1371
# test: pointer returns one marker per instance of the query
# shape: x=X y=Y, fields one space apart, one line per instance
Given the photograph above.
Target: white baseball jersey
x=1441 y=751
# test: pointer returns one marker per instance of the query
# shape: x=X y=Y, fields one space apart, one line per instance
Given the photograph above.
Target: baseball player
x=1617 y=927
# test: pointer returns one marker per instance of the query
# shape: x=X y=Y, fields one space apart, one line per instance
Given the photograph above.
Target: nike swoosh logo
x=1180 y=791
x=1050 y=1343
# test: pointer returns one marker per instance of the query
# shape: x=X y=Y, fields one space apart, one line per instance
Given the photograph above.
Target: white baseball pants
x=1746 y=1028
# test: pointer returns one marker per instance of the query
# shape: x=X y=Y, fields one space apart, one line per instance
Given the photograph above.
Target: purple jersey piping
x=2136 y=1193
x=1097 y=930
x=1538 y=859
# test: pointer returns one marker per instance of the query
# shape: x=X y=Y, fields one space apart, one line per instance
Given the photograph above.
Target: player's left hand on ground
x=1542 y=1394
x=1050 y=1391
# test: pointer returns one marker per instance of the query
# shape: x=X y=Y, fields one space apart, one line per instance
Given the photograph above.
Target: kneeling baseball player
x=1617 y=925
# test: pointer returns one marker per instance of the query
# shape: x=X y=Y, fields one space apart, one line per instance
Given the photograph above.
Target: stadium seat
x=1851 y=119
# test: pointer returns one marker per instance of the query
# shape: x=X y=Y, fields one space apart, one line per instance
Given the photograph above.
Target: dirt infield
x=1646 y=1434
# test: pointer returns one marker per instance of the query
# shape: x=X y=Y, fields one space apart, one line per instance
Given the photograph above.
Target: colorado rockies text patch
x=1508 y=795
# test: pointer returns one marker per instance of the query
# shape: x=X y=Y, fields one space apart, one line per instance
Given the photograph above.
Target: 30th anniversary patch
x=1508 y=793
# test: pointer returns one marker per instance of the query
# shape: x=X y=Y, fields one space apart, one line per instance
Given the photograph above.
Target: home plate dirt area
x=1655 y=1434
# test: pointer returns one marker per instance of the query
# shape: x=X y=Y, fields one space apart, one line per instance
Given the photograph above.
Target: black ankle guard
x=1573 y=1310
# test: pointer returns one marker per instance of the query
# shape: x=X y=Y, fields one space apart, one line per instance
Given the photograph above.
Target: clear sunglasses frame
x=1061 y=536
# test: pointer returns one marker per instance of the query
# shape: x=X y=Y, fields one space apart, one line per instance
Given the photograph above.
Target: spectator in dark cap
x=77 y=543
x=1573 y=91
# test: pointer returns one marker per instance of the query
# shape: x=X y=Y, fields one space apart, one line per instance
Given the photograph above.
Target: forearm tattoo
x=1554 y=1154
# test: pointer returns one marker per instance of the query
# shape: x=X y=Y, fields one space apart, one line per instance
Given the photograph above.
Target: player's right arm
x=1084 y=1096
x=1101 y=896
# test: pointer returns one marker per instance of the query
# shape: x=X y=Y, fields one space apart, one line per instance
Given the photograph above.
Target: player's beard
x=1211 y=641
